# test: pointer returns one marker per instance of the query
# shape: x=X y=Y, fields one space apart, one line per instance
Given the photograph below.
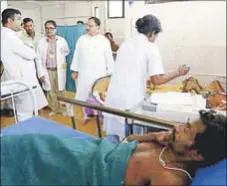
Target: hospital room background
x=194 y=33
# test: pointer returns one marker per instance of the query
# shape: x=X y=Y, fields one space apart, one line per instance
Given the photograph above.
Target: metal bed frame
x=11 y=89
x=126 y=114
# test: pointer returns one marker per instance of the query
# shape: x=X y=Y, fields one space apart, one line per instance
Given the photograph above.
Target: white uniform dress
x=18 y=61
x=92 y=59
x=137 y=59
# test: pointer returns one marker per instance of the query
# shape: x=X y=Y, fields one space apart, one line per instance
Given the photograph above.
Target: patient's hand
x=159 y=137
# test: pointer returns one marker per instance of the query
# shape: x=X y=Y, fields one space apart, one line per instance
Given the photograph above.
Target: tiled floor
x=90 y=127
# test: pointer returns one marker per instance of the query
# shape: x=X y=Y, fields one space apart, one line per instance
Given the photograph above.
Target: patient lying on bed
x=50 y=160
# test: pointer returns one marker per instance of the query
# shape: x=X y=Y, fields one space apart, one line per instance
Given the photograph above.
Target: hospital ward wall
x=194 y=33
x=28 y=10
x=63 y=12
x=69 y=12
x=72 y=11
x=3 y=5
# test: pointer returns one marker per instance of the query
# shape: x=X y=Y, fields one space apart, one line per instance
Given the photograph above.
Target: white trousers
x=24 y=107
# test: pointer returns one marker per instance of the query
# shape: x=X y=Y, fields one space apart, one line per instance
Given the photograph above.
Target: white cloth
x=137 y=59
x=92 y=59
x=18 y=61
x=62 y=51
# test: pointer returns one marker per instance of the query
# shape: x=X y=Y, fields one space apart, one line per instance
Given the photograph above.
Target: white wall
x=63 y=12
x=193 y=33
x=3 y=5
x=33 y=12
x=116 y=27
x=69 y=12
x=76 y=10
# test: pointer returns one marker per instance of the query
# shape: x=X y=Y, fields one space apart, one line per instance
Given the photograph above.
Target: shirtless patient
x=44 y=160
x=198 y=144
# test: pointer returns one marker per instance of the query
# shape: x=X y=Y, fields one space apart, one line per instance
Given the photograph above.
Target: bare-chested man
x=165 y=158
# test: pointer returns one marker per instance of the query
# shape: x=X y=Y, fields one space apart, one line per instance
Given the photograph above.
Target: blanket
x=38 y=159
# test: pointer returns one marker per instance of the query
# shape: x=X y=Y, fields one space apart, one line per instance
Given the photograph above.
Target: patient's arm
x=160 y=137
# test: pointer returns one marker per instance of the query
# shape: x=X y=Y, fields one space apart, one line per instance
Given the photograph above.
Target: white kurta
x=18 y=61
x=137 y=59
x=92 y=59
x=62 y=51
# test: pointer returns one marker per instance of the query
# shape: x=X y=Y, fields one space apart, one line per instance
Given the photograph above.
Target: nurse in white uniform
x=137 y=59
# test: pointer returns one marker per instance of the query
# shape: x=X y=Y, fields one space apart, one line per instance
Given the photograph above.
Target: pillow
x=213 y=175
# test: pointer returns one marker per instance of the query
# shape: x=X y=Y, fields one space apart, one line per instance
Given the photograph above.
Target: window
x=116 y=9
x=97 y=14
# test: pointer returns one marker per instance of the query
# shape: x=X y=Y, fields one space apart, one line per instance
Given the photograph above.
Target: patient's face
x=183 y=136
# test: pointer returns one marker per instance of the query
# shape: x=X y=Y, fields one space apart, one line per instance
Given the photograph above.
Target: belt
x=52 y=69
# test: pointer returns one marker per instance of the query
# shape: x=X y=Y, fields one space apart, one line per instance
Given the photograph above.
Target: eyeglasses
x=50 y=28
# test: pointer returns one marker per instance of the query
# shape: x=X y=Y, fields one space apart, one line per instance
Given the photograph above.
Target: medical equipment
x=173 y=106
x=11 y=89
x=163 y=163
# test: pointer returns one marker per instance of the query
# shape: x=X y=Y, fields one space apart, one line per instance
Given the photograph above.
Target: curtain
x=71 y=35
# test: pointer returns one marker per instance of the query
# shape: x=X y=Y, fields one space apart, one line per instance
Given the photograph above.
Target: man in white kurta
x=92 y=59
x=19 y=63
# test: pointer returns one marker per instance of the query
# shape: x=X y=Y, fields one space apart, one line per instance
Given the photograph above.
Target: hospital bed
x=11 y=89
x=215 y=175
x=170 y=107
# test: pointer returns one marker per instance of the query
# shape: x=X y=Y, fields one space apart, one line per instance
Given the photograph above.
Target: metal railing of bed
x=126 y=114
